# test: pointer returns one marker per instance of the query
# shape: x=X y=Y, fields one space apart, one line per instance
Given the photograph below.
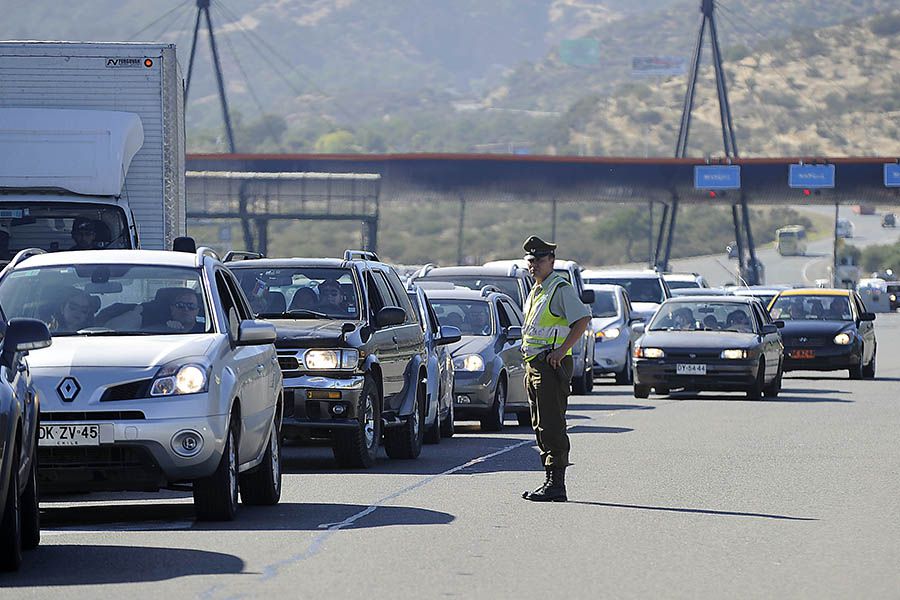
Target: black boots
x=554 y=488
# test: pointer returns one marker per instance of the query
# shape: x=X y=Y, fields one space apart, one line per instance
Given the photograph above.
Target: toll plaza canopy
x=497 y=177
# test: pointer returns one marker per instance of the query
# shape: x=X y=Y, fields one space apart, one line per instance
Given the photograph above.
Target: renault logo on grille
x=803 y=340
x=68 y=388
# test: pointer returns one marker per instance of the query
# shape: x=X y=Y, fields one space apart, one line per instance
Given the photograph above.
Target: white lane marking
x=271 y=571
x=805 y=272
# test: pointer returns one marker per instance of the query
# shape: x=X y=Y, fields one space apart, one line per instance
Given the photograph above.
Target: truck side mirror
x=184 y=244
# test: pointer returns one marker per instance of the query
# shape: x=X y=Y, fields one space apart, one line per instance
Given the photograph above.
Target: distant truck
x=91 y=140
x=864 y=209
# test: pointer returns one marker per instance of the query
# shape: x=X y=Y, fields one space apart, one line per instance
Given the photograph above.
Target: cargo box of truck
x=91 y=138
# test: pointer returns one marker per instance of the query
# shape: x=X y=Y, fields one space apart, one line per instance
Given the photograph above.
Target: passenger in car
x=76 y=312
x=304 y=299
x=683 y=318
x=738 y=320
x=710 y=322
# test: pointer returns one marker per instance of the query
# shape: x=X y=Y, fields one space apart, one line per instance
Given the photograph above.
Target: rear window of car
x=640 y=289
x=507 y=285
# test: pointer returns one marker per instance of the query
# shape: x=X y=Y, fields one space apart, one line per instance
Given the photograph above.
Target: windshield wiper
x=305 y=313
x=96 y=331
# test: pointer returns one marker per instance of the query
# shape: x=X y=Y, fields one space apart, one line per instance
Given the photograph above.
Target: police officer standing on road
x=555 y=319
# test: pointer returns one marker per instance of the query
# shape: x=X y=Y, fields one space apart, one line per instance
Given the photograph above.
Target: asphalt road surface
x=672 y=497
x=794 y=269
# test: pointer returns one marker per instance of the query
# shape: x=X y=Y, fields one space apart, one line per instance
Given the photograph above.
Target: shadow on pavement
x=287 y=516
x=610 y=407
x=738 y=397
x=702 y=511
x=598 y=429
x=86 y=564
x=434 y=459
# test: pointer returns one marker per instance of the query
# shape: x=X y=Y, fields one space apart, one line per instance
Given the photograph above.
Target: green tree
x=335 y=142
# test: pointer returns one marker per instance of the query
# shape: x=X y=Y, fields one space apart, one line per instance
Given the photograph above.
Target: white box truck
x=91 y=146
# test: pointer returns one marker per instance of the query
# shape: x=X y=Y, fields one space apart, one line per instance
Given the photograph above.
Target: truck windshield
x=300 y=292
x=108 y=299
x=55 y=227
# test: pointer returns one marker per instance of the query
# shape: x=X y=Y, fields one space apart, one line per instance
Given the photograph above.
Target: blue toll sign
x=811 y=176
x=717 y=177
x=892 y=175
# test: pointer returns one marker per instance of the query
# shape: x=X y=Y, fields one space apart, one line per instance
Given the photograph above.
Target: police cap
x=535 y=247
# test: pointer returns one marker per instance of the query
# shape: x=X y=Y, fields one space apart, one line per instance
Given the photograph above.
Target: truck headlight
x=608 y=334
x=842 y=339
x=176 y=380
x=331 y=360
x=734 y=354
x=469 y=362
x=649 y=352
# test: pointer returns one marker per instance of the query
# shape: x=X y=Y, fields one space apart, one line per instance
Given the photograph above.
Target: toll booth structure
x=256 y=198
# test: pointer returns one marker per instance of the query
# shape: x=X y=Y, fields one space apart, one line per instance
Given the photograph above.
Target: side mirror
x=184 y=244
x=513 y=333
x=23 y=335
x=255 y=333
x=867 y=316
x=769 y=328
x=635 y=320
x=390 y=315
x=588 y=296
x=779 y=324
x=449 y=335
x=638 y=328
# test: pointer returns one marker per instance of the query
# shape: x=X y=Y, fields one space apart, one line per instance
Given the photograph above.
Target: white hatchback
x=158 y=376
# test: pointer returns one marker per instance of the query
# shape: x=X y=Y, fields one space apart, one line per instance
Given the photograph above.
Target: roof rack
x=424 y=270
x=204 y=252
x=22 y=255
x=234 y=255
x=361 y=254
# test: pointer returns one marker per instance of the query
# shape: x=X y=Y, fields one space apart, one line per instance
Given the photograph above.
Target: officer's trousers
x=548 y=397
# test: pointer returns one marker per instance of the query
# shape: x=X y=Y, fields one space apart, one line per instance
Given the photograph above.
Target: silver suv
x=158 y=376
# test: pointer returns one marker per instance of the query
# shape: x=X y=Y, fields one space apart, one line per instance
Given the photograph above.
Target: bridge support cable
x=742 y=231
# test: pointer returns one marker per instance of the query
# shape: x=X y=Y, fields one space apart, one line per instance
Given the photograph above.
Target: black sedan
x=826 y=330
x=722 y=343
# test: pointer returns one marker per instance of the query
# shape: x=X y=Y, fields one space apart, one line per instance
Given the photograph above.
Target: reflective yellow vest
x=543 y=330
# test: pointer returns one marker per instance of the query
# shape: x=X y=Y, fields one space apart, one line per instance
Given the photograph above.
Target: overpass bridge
x=495 y=178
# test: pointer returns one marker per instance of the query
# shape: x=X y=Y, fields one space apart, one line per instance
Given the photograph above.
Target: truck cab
x=62 y=184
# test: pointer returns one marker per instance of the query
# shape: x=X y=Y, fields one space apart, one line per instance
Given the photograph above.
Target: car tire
x=262 y=485
x=774 y=388
x=11 y=525
x=433 y=433
x=358 y=447
x=447 y=426
x=641 y=391
x=524 y=419
x=856 y=371
x=662 y=390
x=405 y=441
x=755 y=391
x=869 y=369
x=589 y=378
x=625 y=377
x=31 y=512
x=493 y=421
x=216 y=496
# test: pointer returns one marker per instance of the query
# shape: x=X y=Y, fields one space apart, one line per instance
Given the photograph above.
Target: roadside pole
x=834 y=258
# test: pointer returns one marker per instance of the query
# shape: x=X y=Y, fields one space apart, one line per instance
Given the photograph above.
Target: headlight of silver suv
x=175 y=379
x=331 y=360
x=468 y=362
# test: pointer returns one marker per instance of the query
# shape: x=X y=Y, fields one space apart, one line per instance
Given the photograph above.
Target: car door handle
x=394 y=338
x=260 y=369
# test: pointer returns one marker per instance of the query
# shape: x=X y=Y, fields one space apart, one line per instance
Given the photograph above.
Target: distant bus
x=790 y=240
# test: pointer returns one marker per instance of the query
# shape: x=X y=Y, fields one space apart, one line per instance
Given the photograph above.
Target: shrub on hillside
x=886 y=25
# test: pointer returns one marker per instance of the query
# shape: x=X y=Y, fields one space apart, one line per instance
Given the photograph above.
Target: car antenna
x=727 y=270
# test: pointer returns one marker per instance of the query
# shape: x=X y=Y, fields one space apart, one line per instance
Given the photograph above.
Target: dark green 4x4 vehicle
x=350 y=348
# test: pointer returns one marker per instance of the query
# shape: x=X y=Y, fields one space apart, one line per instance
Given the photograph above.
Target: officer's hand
x=555 y=357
